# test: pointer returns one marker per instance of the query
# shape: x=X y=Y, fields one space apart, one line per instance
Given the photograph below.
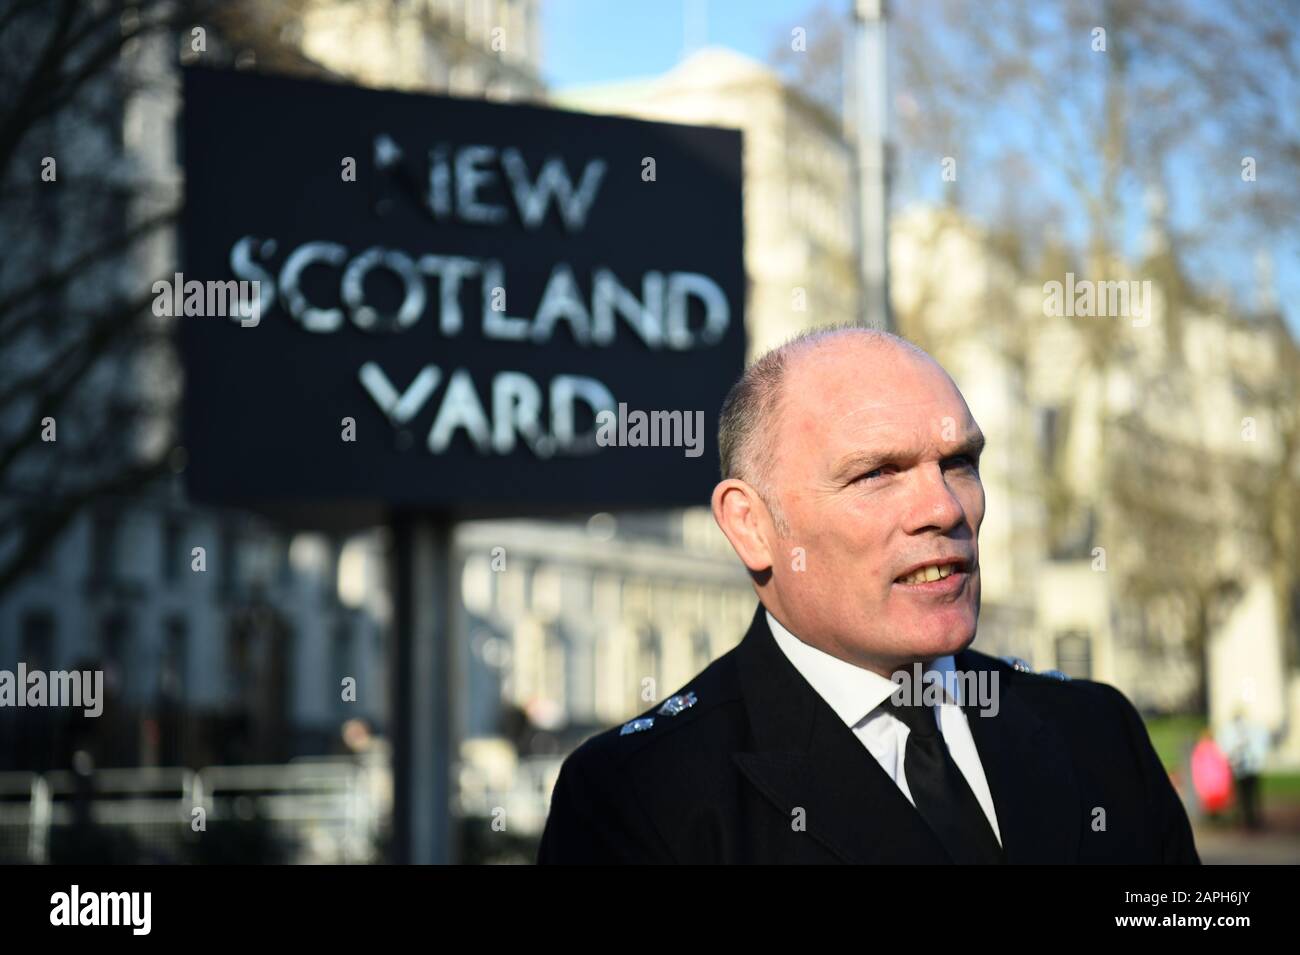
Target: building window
x=647 y=658
x=555 y=668
x=285 y=564
x=1050 y=427
x=330 y=578
x=341 y=656
x=115 y=649
x=701 y=650
x=1074 y=654
x=228 y=562
x=37 y=648
x=103 y=546
x=46 y=561
x=171 y=554
x=172 y=675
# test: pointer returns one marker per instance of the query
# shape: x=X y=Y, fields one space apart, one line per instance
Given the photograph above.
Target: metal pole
x=872 y=101
x=421 y=678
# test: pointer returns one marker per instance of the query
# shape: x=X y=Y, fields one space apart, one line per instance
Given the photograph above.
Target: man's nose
x=933 y=504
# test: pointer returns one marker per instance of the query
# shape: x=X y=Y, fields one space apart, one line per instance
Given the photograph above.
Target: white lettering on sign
x=515 y=409
x=457 y=180
x=659 y=316
x=484 y=185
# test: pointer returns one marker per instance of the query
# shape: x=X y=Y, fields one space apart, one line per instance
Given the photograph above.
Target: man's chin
x=941 y=642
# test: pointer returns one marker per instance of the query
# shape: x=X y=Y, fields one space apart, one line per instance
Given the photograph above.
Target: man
x=1246 y=745
x=853 y=723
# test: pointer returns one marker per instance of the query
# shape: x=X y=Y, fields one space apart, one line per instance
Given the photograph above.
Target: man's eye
x=872 y=474
x=963 y=461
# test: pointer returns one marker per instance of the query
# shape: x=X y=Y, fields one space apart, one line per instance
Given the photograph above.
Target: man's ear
x=744 y=518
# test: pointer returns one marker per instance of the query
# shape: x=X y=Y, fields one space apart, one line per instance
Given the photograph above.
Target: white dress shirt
x=859 y=697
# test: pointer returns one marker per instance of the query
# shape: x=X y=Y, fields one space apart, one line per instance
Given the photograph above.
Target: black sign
x=459 y=305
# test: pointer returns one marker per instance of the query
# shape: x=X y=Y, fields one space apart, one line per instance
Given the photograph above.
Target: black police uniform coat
x=760 y=770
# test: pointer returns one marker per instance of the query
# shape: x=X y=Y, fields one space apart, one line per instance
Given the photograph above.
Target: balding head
x=850 y=460
x=747 y=426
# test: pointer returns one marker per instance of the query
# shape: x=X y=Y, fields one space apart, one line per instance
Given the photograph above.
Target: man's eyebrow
x=859 y=461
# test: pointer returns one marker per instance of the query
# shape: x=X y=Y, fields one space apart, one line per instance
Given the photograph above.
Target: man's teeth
x=929 y=573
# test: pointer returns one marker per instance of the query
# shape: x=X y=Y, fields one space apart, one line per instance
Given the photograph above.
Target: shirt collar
x=850 y=690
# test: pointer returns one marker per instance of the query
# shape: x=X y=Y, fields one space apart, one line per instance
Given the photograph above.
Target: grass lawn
x=1172 y=736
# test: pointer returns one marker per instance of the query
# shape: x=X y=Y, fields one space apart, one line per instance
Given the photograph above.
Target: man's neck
x=881 y=666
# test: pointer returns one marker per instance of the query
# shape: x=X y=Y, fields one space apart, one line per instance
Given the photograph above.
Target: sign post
x=422 y=664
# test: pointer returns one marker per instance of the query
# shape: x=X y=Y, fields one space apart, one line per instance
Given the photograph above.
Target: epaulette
x=670 y=707
x=1022 y=666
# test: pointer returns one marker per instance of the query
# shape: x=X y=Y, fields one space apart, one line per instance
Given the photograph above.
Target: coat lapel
x=803 y=756
x=1034 y=791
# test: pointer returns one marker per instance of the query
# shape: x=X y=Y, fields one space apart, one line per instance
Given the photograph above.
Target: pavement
x=1227 y=842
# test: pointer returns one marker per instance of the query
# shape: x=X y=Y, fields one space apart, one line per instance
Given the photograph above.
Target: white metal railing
x=330 y=808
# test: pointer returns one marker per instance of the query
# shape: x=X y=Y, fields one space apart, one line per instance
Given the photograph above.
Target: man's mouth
x=931 y=571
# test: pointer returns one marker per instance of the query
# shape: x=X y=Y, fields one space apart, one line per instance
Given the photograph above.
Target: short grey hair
x=747 y=423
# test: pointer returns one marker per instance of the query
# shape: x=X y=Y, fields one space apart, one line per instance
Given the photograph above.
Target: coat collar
x=804 y=756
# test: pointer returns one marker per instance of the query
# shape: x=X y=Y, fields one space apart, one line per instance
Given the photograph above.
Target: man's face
x=876 y=471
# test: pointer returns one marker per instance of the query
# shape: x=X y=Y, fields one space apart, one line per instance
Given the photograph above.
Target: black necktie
x=941 y=793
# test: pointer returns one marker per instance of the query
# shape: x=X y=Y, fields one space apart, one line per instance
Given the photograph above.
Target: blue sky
x=594 y=41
